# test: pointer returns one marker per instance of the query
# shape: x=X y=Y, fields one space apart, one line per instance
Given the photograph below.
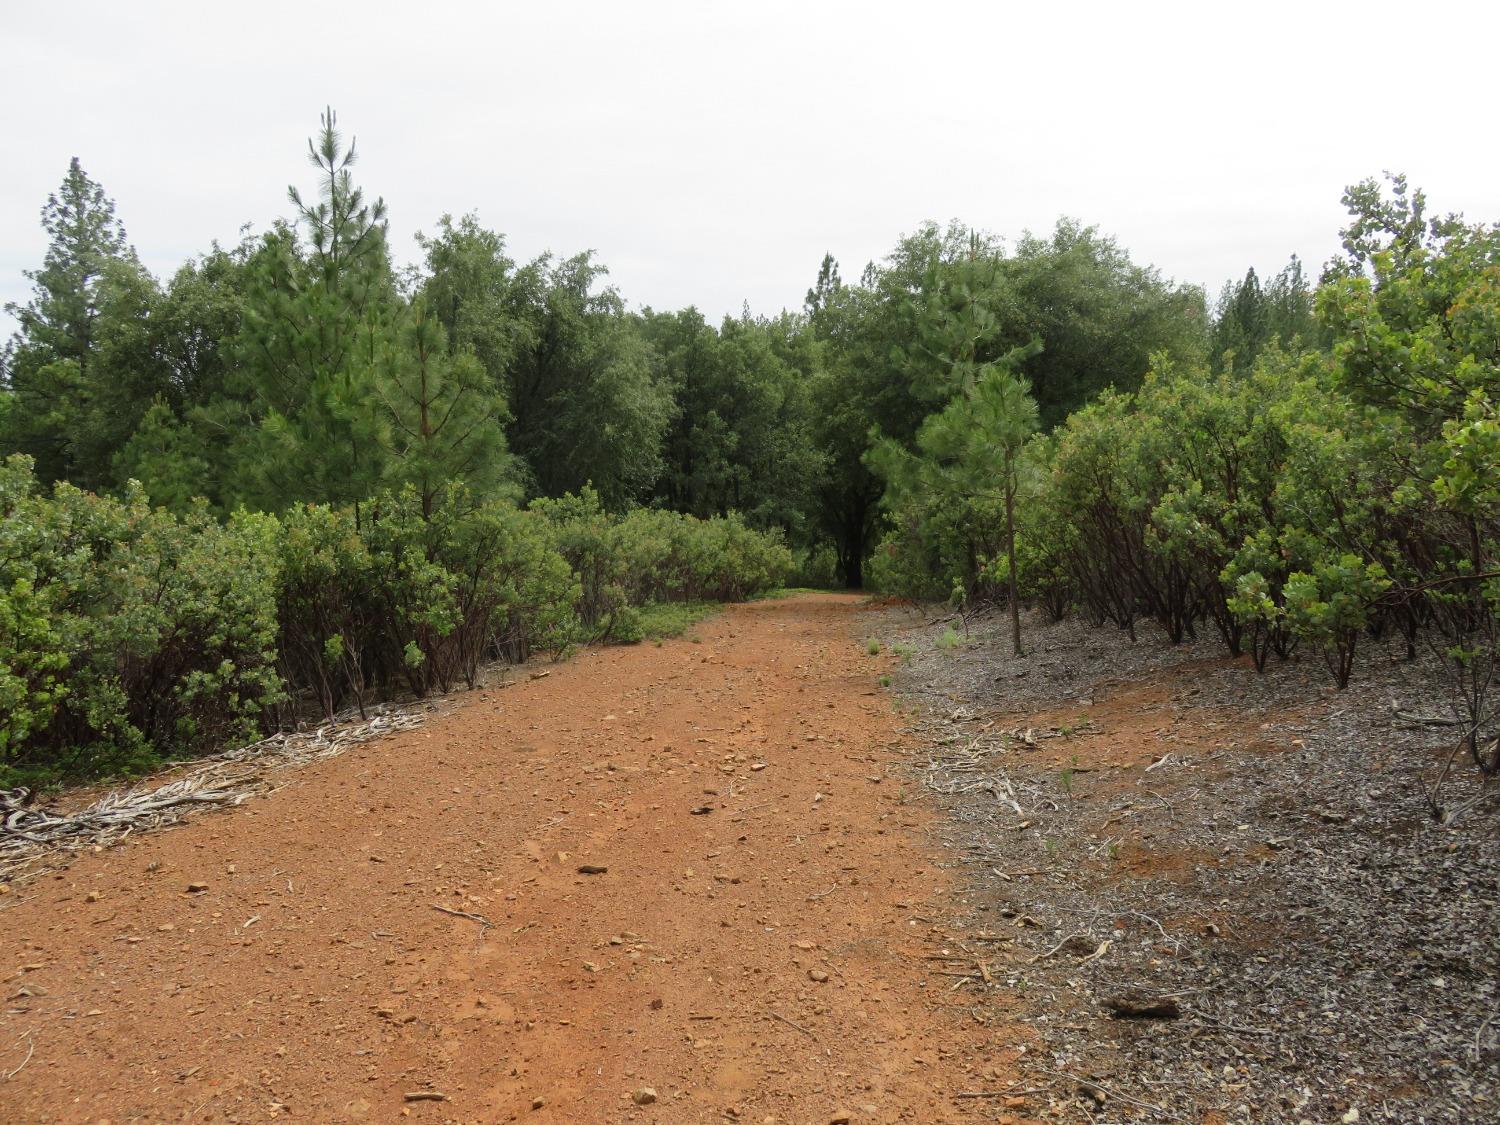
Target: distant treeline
x=300 y=365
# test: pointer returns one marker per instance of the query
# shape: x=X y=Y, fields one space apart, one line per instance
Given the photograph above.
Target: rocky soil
x=1213 y=895
x=670 y=884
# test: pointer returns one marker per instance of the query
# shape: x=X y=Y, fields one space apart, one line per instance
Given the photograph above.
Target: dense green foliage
x=293 y=476
x=1328 y=472
x=129 y=634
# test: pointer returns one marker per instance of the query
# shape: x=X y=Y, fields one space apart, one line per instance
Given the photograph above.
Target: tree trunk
x=1010 y=548
x=854 y=571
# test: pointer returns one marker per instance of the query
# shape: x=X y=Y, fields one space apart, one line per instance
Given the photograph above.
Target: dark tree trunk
x=1010 y=547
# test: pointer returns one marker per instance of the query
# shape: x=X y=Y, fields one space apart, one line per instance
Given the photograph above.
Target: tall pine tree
x=317 y=321
x=444 y=420
x=49 y=363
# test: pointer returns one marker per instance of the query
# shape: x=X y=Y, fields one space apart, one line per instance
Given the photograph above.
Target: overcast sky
x=712 y=152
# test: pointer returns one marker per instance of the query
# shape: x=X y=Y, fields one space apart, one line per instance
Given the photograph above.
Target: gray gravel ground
x=1253 y=849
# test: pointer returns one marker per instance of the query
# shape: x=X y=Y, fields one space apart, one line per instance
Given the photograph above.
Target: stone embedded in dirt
x=756 y=767
x=1093 y=1093
x=841 y=1117
x=197 y=888
x=1132 y=1007
x=591 y=869
x=817 y=975
x=656 y=1004
x=1078 y=945
x=644 y=1096
x=424 y=1096
x=537 y=1103
x=701 y=810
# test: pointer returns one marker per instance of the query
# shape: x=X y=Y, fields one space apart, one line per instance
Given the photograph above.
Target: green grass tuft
x=659 y=620
x=949 y=640
x=788 y=592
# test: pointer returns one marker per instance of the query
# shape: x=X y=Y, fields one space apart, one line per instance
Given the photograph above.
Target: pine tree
x=317 y=322
x=825 y=289
x=444 y=420
x=49 y=362
x=85 y=236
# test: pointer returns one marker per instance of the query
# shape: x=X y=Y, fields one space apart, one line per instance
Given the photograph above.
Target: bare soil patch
x=1213 y=896
x=688 y=869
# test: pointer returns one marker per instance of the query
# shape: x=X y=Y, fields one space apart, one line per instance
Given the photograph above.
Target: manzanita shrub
x=1336 y=489
x=649 y=555
x=130 y=635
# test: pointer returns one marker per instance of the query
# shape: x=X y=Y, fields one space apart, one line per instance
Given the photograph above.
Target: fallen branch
x=30 y=1050
x=1054 y=949
x=789 y=1023
x=1197 y=1015
x=29 y=834
x=1087 y=1083
x=480 y=918
x=985 y=1093
x=1425 y=720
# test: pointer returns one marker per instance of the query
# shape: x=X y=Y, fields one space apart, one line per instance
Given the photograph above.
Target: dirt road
x=757 y=949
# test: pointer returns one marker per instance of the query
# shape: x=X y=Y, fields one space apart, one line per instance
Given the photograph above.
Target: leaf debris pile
x=1213 y=892
x=34 y=838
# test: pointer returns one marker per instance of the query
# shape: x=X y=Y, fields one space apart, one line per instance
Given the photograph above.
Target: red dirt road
x=763 y=961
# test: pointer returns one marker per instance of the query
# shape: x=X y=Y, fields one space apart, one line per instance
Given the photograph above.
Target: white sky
x=711 y=152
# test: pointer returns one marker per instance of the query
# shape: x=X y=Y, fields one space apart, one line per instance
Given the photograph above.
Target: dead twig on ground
x=30 y=1050
x=1479 y=1036
x=480 y=918
x=1055 y=948
x=789 y=1023
x=1087 y=1083
x=32 y=838
x=1197 y=1015
x=986 y=1093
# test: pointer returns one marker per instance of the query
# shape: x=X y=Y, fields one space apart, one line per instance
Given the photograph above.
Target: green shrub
x=653 y=557
x=128 y=634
